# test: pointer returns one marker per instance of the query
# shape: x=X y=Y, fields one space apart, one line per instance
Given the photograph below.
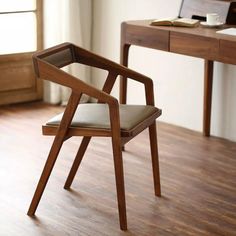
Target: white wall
x=178 y=79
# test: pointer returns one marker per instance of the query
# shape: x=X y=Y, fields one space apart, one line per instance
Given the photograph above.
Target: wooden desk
x=197 y=42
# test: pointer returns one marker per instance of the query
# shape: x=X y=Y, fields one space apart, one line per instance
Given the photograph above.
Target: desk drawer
x=227 y=51
x=149 y=37
x=193 y=45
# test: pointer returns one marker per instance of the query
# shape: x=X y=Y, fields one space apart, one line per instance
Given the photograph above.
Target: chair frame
x=47 y=66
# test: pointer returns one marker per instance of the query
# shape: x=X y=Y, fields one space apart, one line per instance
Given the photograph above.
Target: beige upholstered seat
x=97 y=116
x=107 y=118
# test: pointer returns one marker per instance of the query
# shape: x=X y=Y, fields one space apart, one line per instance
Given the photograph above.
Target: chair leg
x=45 y=175
x=77 y=161
x=120 y=188
x=155 y=159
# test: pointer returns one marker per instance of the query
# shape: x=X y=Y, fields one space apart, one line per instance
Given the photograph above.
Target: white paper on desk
x=229 y=31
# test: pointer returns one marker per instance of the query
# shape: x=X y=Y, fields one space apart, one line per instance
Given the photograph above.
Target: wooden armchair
x=107 y=118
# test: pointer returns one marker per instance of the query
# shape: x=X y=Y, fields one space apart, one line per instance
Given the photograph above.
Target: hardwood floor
x=198 y=177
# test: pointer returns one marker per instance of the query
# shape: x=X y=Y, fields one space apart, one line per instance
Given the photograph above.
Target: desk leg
x=208 y=80
x=124 y=53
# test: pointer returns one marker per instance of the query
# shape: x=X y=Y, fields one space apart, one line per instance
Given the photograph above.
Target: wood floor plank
x=198 y=179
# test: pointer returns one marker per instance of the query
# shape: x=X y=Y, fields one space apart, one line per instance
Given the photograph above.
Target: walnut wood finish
x=55 y=149
x=198 y=42
x=198 y=180
x=47 y=66
x=208 y=80
x=227 y=50
x=191 y=45
x=77 y=161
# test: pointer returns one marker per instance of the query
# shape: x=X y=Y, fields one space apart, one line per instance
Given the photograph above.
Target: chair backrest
x=58 y=56
x=48 y=62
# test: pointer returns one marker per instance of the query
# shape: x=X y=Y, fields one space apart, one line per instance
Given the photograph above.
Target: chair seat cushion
x=92 y=115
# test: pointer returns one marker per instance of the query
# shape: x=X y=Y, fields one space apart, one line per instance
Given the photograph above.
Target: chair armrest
x=91 y=59
x=86 y=57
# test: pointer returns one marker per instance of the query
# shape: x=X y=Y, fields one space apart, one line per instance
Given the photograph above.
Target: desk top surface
x=198 y=31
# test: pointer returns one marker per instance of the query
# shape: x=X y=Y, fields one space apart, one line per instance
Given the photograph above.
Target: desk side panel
x=228 y=51
x=147 y=36
x=193 y=45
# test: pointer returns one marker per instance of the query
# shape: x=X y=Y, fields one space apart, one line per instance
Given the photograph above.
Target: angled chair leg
x=120 y=188
x=57 y=143
x=55 y=149
x=77 y=161
x=155 y=159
